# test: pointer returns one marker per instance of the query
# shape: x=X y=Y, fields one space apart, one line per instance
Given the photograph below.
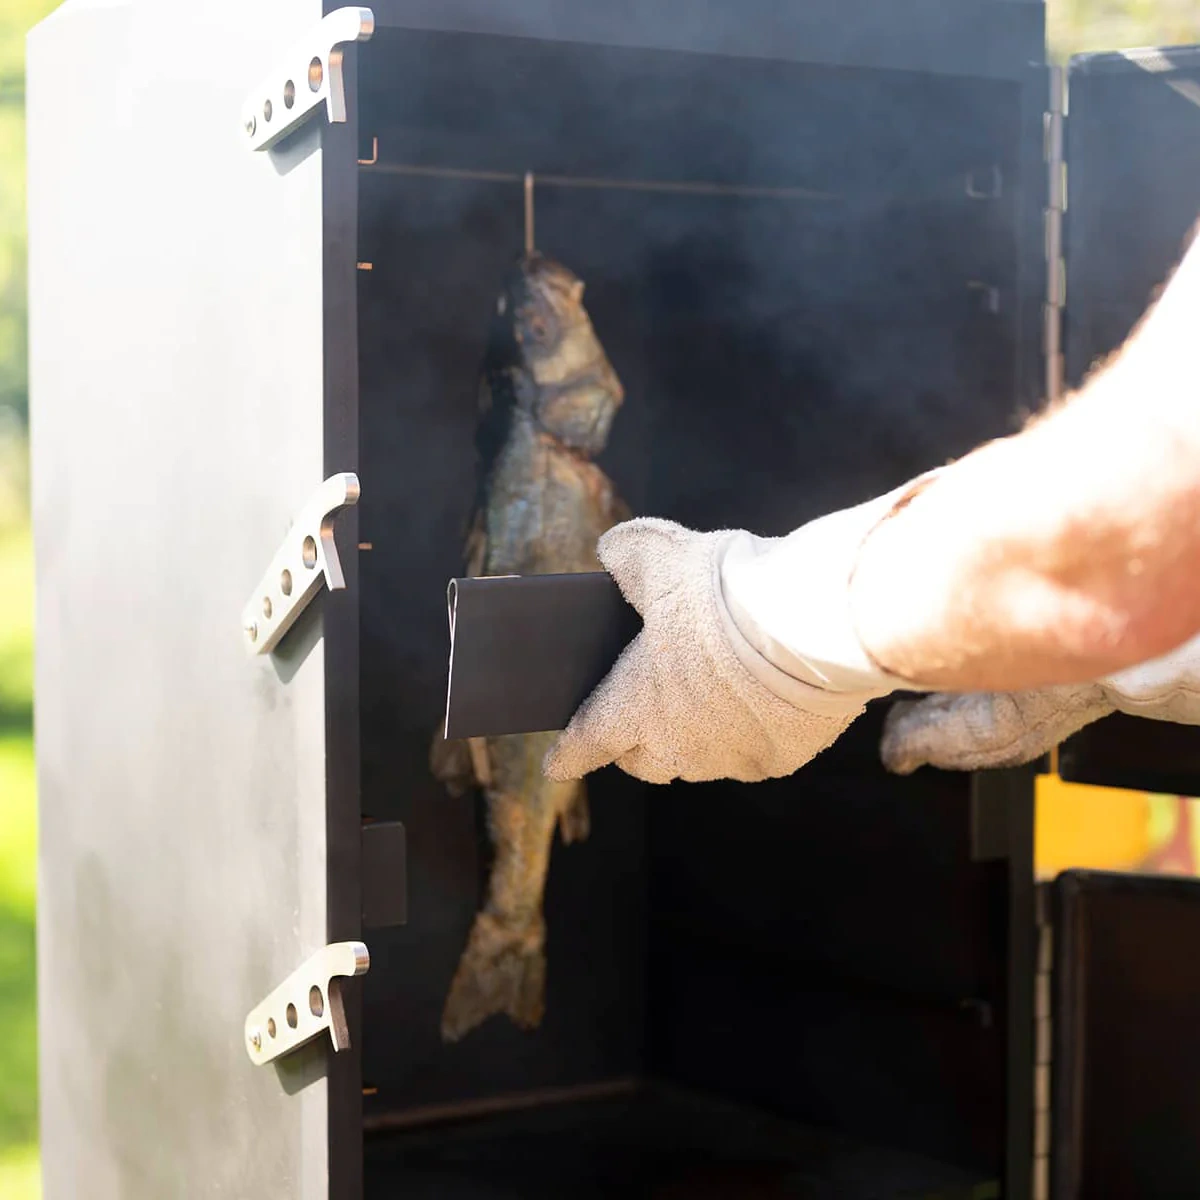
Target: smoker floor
x=656 y=1143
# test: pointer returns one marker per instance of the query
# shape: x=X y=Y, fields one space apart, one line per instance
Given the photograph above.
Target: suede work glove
x=997 y=729
x=703 y=694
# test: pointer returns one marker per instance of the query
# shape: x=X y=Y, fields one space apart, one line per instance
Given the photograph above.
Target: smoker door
x=181 y=357
x=1133 y=188
x=1126 y=984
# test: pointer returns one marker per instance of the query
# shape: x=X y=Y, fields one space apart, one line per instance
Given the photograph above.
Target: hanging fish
x=548 y=397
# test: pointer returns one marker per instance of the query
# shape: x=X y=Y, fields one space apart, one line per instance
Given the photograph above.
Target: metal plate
x=179 y=378
x=526 y=652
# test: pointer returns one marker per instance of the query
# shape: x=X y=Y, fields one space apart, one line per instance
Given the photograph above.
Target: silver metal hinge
x=1043 y=1045
x=308 y=555
x=305 y=1004
x=308 y=75
x=1056 y=206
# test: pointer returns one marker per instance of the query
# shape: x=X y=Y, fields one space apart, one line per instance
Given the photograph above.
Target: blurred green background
x=18 y=1045
x=1075 y=25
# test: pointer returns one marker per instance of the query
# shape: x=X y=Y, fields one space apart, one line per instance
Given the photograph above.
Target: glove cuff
x=789 y=599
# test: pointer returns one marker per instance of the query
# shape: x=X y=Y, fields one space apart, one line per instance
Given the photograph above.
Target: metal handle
x=311 y=73
x=308 y=555
x=307 y=1003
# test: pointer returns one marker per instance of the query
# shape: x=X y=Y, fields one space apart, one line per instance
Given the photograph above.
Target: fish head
x=571 y=389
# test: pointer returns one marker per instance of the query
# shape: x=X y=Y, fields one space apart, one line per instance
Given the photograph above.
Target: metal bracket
x=309 y=74
x=293 y=577
x=305 y=1004
x=985 y=183
x=1056 y=206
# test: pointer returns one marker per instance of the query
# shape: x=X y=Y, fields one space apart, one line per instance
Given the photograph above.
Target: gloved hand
x=998 y=729
x=703 y=694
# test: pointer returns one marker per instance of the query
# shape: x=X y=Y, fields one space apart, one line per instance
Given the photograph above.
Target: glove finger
x=643 y=556
x=641 y=764
x=605 y=727
x=978 y=730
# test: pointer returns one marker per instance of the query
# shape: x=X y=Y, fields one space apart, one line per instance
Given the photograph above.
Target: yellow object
x=1080 y=826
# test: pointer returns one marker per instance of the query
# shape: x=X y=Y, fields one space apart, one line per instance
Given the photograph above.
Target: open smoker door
x=1125 y=1056
x=1133 y=171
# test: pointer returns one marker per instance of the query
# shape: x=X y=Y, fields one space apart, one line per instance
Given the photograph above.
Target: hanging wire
x=529 y=212
x=669 y=186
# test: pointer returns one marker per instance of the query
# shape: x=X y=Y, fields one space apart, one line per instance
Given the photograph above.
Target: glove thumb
x=645 y=557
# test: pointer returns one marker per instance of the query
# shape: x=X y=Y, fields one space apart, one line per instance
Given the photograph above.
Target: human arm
x=1066 y=552
x=1050 y=558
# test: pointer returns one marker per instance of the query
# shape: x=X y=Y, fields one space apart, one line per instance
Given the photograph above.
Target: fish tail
x=502 y=970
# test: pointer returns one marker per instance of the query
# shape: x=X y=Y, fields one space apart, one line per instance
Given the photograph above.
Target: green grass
x=19 y=1178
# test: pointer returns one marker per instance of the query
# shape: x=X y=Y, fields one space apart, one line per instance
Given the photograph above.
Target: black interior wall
x=822 y=946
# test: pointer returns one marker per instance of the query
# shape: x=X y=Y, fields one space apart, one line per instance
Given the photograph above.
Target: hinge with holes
x=307 y=556
x=1056 y=206
x=305 y=1004
x=309 y=75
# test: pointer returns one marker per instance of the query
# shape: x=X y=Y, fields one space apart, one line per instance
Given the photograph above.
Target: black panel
x=822 y=946
x=1134 y=194
x=654 y=1144
x=384 y=868
x=812 y=310
x=527 y=651
x=1134 y=753
x=967 y=37
x=1126 y=1105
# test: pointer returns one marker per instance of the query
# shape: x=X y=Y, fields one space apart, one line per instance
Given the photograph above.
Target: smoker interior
x=655 y=1141
x=834 y=310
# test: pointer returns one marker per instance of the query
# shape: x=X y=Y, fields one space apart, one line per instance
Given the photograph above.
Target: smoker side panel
x=1133 y=187
x=178 y=387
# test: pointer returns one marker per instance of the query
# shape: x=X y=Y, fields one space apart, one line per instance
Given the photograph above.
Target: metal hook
x=528 y=212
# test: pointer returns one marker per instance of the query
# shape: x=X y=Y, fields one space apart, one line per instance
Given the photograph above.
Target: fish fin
x=475 y=551
x=452 y=764
x=502 y=970
x=481 y=762
x=574 y=817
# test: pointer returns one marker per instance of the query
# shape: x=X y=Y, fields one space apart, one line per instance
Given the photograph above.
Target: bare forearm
x=1066 y=552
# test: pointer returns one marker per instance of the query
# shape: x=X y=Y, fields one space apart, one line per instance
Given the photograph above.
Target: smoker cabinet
x=812 y=237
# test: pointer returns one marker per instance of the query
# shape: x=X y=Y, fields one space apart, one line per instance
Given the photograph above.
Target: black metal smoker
x=824 y=247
